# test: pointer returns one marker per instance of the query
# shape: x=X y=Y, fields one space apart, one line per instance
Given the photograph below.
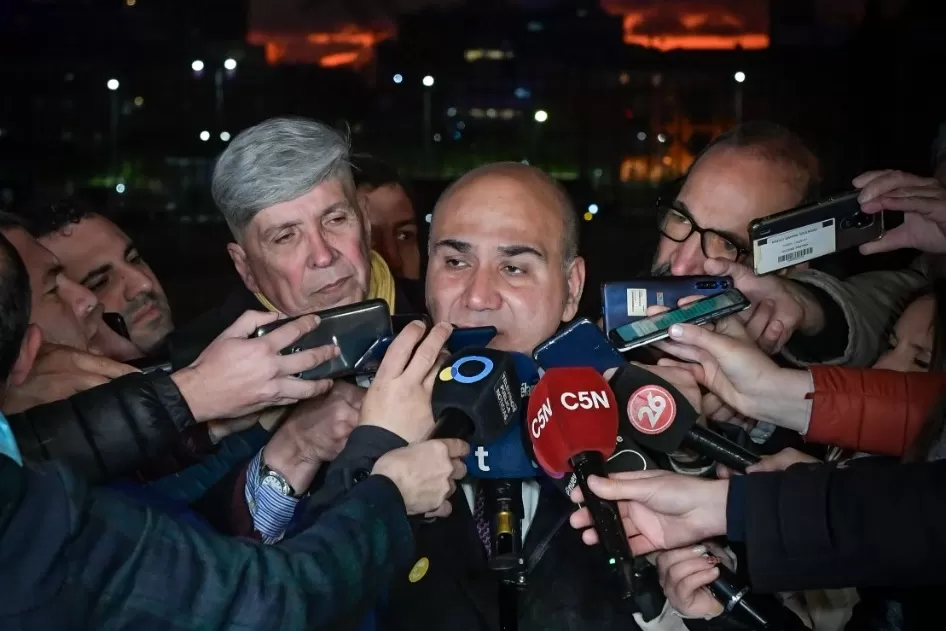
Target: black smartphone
x=655 y=328
x=581 y=343
x=473 y=336
x=809 y=232
x=116 y=322
x=460 y=338
x=627 y=300
x=353 y=328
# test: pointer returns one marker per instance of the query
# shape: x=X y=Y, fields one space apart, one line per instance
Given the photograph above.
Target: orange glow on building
x=350 y=45
x=691 y=40
x=751 y=41
x=338 y=59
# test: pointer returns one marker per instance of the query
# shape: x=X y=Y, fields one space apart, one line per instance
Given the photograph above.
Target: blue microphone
x=507 y=458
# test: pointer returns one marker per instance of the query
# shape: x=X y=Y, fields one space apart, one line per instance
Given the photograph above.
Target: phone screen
x=705 y=310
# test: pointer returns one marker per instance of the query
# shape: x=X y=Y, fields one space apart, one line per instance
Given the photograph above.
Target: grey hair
x=277 y=161
x=517 y=169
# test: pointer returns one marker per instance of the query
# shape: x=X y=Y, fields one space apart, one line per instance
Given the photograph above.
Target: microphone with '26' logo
x=660 y=418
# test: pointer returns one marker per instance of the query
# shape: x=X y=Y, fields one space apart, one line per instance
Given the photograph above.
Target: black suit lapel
x=454 y=540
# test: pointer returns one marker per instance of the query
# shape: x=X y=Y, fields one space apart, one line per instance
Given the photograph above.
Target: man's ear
x=238 y=256
x=575 y=276
x=29 y=348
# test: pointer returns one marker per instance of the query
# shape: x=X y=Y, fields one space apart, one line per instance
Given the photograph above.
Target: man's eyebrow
x=339 y=205
x=518 y=250
x=405 y=223
x=97 y=271
x=462 y=247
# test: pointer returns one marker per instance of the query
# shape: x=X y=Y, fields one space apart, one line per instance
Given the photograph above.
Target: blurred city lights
x=112 y=84
x=230 y=64
x=541 y=116
x=225 y=136
x=120 y=188
x=197 y=65
x=428 y=81
x=739 y=76
x=593 y=209
x=205 y=135
x=398 y=78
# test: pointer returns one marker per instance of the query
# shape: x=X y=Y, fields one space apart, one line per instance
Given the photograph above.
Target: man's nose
x=481 y=293
x=136 y=282
x=689 y=259
x=321 y=253
x=80 y=300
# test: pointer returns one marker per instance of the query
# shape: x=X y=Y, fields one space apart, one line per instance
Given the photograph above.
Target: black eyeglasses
x=677 y=225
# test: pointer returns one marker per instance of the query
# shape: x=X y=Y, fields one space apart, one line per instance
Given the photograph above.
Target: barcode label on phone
x=792 y=247
x=791 y=256
x=636 y=302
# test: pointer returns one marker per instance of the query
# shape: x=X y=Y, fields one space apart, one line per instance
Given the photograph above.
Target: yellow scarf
x=380 y=284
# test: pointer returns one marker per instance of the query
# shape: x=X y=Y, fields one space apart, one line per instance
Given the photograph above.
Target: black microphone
x=660 y=418
x=476 y=396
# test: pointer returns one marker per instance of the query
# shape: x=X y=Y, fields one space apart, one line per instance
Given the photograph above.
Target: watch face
x=280 y=486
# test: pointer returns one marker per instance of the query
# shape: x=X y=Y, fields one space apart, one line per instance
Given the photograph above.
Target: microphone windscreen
x=656 y=414
x=503 y=458
x=481 y=385
x=509 y=456
x=571 y=411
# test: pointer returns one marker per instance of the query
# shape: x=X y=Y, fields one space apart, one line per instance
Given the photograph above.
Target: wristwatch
x=275 y=480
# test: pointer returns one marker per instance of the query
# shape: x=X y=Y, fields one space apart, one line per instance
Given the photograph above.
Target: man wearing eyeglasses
x=752 y=171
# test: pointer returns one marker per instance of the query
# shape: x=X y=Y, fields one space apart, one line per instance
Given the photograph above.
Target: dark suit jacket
x=569 y=587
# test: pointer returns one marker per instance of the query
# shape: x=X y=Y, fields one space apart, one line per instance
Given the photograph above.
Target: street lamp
x=230 y=64
x=197 y=65
x=739 y=76
x=205 y=135
x=429 y=81
x=112 y=84
x=541 y=116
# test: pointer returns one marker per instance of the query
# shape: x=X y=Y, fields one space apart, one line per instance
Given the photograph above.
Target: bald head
x=548 y=192
x=503 y=244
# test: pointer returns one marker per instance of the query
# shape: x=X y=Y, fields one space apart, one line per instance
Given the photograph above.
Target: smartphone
x=460 y=338
x=473 y=336
x=809 y=232
x=627 y=301
x=353 y=328
x=581 y=343
x=116 y=322
x=655 y=328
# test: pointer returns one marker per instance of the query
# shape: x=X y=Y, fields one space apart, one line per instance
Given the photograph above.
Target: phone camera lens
x=706 y=285
x=846 y=224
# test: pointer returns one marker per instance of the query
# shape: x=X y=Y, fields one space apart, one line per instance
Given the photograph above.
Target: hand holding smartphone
x=657 y=327
x=808 y=232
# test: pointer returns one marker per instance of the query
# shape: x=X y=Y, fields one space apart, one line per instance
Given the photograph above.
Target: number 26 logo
x=651 y=409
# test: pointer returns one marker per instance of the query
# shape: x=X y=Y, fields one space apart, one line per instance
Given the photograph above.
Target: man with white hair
x=301 y=244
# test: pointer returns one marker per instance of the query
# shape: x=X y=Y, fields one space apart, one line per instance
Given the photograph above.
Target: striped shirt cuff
x=271 y=510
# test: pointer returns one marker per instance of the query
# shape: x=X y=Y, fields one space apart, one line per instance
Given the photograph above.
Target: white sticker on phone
x=636 y=303
x=793 y=247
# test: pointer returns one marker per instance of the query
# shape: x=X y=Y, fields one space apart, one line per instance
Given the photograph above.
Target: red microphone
x=573 y=424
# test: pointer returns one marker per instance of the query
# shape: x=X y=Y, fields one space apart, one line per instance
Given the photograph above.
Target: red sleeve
x=874 y=411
